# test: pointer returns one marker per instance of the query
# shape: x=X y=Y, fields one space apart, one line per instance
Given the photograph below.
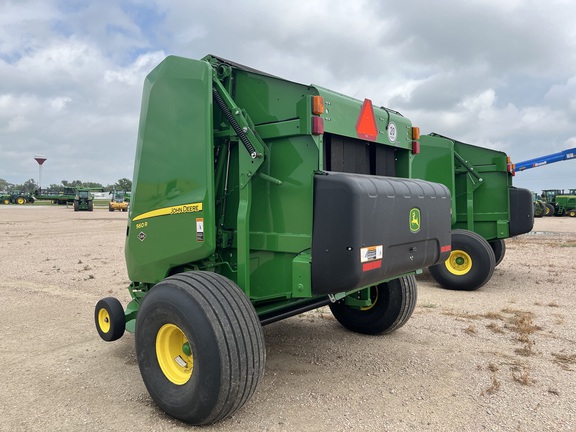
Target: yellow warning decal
x=185 y=208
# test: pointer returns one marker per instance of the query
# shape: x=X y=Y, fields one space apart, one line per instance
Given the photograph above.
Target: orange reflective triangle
x=366 y=124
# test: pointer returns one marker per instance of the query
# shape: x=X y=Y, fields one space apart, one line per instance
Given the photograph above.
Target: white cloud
x=134 y=74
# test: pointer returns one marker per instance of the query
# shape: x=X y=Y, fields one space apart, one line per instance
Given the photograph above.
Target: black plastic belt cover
x=368 y=228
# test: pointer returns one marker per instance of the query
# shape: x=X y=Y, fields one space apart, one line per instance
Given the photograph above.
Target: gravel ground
x=502 y=358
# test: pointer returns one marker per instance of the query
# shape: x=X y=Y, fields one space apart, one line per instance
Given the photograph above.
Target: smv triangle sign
x=366 y=124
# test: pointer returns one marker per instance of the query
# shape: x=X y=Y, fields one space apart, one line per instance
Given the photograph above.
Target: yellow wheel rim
x=174 y=354
x=104 y=320
x=20 y=201
x=459 y=262
x=6 y=201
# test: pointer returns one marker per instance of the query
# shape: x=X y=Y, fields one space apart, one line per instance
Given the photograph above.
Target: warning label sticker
x=200 y=229
x=371 y=253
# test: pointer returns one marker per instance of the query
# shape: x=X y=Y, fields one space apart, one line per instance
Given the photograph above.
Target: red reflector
x=371 y=265
x=415 y=147
x=317 y=125
x=446 y=248
x=366 y=124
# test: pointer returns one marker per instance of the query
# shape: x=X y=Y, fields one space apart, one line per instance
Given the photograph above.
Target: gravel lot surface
x=502 y=358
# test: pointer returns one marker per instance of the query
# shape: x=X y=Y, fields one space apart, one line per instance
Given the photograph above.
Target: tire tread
x=228 y=309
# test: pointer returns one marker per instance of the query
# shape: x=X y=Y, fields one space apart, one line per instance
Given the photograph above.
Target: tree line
x=30 y=186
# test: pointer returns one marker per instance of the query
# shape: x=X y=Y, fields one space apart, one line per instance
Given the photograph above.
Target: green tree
x=124 y=184
x=55 y=187
x=72 y=184
x=91 y=185
x=3 y=185
x=29 y=186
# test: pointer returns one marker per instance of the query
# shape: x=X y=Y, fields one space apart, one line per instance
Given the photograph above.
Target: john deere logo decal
x=415 y=220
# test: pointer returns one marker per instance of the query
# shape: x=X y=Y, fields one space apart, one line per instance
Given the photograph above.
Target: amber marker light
x=510 y=166
x=317 y=105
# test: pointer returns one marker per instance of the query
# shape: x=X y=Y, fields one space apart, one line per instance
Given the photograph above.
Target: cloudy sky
x=494 y=73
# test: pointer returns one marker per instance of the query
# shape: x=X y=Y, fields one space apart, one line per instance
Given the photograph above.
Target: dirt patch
x=500 y=358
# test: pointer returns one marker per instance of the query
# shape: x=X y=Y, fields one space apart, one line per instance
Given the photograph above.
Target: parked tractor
x=83 y=200
x=486 y=208
x=119 y=200
x=560 y=202
x=255 y=199
x=16 y=197
x=549 y=198
x=540 y=207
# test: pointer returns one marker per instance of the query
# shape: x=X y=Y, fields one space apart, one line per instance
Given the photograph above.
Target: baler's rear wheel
x=200 y=346
x=470 y=264
x=110 y=319
x=392 y=305
x=499 y=248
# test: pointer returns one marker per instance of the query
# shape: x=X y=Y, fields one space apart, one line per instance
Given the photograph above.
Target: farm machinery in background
x=559 y=202
x=81 y=198
x=552 y=202
x=16 y=197
x=63 y=197
x=119 y=200
x=540 y=207
x=546 y=160
x=84 y=199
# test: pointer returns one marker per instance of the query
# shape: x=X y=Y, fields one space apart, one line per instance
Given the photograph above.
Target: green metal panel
x=282 y=214
x=281 y=190
x=477 y=178
x=341 y=117
x=173 y=183
x=435 y=163
x=268 y=99
x=490 y=198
